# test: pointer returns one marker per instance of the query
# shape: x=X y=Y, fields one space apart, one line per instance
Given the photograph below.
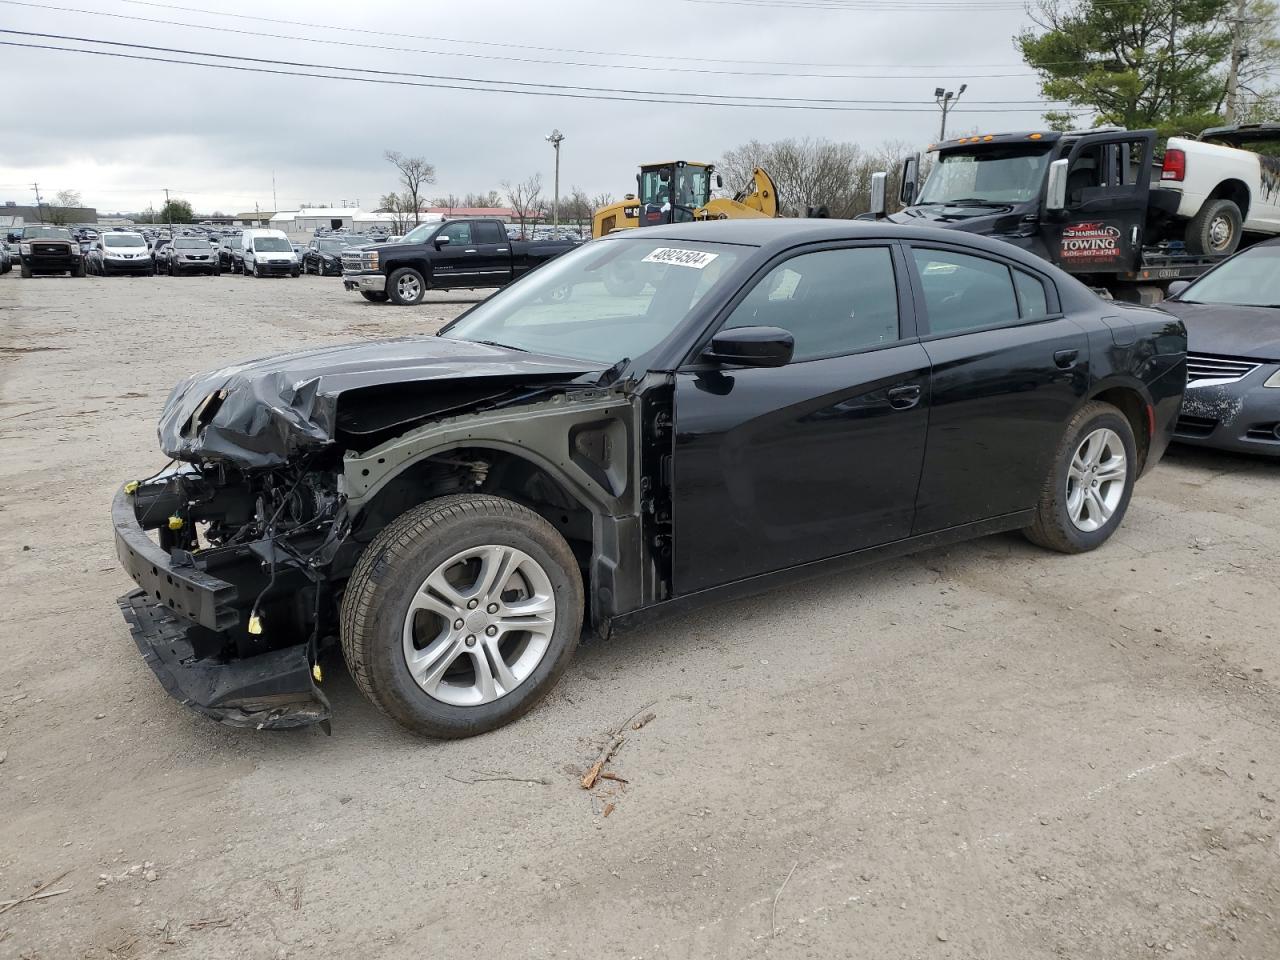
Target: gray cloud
x=119 y=131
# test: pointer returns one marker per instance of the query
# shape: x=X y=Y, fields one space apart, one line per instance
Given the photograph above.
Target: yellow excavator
x=680 y=192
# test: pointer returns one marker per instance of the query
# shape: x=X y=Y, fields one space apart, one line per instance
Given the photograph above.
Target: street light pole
x=555 y=137
x=947 y=100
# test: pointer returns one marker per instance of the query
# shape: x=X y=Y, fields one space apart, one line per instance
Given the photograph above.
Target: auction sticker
x=681 y=258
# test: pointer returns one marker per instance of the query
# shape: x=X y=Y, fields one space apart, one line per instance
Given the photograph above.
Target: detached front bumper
x=364 y=282
x=182 y=620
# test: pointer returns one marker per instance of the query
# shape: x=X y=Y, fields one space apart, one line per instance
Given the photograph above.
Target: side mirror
x=910 y=180
x=752 y=347
x=878 y=181
x=1176 y=288
x=441 y=242
x=719 y=182
x=1055 y=198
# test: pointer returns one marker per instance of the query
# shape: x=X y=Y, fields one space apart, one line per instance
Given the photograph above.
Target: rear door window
x=963 y=292
x=489 y=233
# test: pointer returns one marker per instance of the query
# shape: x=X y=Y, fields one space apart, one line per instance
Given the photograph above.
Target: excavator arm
x=759 y=198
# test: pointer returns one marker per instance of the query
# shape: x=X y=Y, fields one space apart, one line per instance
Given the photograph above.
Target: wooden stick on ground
x=34 y=894
x=773 y=916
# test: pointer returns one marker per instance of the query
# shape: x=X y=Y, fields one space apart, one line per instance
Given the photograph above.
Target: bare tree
x=525 y=199
x=400 y=207
x=816 y=173
x=415 y=173
x=63 y=202
x=601 y=200
x=449 y=202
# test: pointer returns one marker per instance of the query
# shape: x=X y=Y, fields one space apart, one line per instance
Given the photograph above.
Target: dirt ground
x=983 y=751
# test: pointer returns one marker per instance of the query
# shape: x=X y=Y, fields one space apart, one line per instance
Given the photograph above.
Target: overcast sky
x=119 y=131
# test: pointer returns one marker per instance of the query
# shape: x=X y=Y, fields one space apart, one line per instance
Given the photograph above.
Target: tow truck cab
x=1091 y=203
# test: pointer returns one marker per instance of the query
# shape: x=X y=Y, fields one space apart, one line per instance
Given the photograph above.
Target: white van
x=268 y=253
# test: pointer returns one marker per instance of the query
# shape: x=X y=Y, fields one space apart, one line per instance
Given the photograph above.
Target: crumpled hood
x=263 y=412
x=1230 y=331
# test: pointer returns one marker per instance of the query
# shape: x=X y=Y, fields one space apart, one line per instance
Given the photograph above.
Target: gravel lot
x=983 y=751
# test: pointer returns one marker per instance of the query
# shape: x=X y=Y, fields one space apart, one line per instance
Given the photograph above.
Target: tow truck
x=1097 y=203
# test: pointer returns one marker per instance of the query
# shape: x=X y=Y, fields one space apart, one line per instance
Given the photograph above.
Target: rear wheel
x=1090 y=482
x=1215 y=230
x=26 y=271
x=461 y=615
x=406 y=287
x=374 y=296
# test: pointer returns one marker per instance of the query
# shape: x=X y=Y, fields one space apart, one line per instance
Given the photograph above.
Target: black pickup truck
x=467 y=254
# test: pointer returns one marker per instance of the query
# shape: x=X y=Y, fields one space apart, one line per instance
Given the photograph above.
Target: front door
x=774 y=467
x=1008 y=371
x=1102 y=229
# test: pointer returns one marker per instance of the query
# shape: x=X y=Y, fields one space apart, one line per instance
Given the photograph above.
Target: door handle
x=904 y=398
x=1066 y=359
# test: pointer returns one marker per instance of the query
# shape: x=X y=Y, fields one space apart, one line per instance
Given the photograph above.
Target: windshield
x=689 y=189
x=191 y=244
x=987 y=174
x=1251 y=279
x=272 y=245
x=602 y=302
x=333 y=246
x=123 y=240
x=418 y=234
x=45 y=233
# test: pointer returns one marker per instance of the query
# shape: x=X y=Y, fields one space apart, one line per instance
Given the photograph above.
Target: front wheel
x=1090 y=482
x=406 y=287
x=461 y=615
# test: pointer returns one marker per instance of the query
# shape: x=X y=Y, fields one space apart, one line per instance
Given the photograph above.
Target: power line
x=544 y=49
x=474 y=84
x=531 y=60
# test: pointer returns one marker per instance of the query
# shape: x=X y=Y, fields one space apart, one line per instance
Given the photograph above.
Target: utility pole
x=169 y=210
x=1237 y=54
x=947 y=101
x=555 y=138
x=39 y=202
x=274 y=202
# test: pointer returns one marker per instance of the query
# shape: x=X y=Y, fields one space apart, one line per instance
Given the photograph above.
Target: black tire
x=26 y=272
x=1053 y=527
x=374 y=296
x=294 y=273
x=406 y=277
x=152 y=271
x=1215 y=230
x=390 y=572
x=78 y=269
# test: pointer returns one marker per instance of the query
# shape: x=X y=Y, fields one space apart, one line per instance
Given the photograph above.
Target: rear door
x=1102 y=229
x=1008 y=371
x=493 y=251
x=781 y=466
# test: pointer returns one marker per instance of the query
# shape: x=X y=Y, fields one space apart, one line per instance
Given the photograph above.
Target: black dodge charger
x=659 y=419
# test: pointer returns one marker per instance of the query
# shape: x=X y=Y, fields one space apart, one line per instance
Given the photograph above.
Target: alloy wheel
x=409 y=288
x=1096 y=479
x=479 y=625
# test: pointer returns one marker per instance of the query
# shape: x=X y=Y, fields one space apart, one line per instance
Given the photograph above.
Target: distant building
x=23 y=215
x=505 y=214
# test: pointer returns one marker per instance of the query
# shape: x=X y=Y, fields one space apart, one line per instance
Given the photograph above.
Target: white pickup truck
x=1228 y=185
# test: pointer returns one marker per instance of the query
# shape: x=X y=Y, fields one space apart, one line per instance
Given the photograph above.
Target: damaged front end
x=240 y=549
x=233 y=606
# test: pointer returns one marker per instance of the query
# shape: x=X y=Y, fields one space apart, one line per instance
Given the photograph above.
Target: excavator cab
x=673 y=192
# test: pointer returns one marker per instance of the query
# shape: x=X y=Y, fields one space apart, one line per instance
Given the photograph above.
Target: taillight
x=1175 y=165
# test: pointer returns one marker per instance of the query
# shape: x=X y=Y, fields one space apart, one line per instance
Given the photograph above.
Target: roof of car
x=785 y=232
